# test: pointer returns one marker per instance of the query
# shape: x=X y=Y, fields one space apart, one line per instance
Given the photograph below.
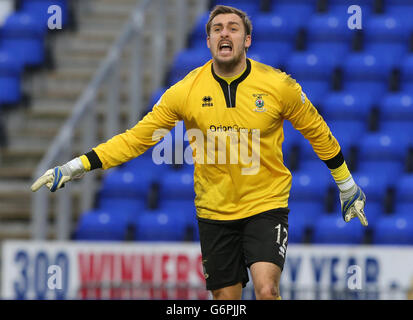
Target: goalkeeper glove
x=57 y=177
x=352 y=201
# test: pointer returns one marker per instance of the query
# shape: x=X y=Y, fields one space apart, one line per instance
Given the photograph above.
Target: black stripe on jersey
x=94 y=160
x=335 y=162
x=230 y=90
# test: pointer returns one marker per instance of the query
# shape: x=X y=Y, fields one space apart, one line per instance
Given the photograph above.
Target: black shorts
x=230 y=247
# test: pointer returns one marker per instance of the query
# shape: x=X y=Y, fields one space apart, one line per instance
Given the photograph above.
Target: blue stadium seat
x=185 y=207
x=269 y=58
x=338 y=50
x=306 y=211
x=397 y=106
x=374 y=184
x=197 y=38
x=394 y=229
x=270 y=52
x=376 y=88
x=129 y=207
x=402 y=3
x=404 y=128
x=368 y=66
x=310 y=185
x=295 y=2
x=10 y=77
x=24 y=36
x=125 y=183
x=186 y=61
x=186 y=210
x=347 y=131
x=145 y=165
x=160 y=225
x=341 y=7
x=177 y=185
x=274 y=27
x=101 y=225
x=311 y=66
x=373 y=211
x=345 y=2
x=391 y=53
x=331 y=31
x=345 y=105
x=384 y=145
x=405 y=188
x=403 y=10
x=405 y=208
x=292 y=137
x=296 y=12
x=315 y=90
x=406 y=70
x=196 y=230
x=385 y=28
x=332 y=229
x=347 y=134
x=391 y=169
x=296 y=229
x=252 y=8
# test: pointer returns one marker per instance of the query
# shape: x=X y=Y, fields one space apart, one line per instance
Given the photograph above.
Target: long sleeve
x=135 y=141
x=304 y=117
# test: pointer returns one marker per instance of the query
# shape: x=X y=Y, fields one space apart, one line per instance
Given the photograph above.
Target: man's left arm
x=299 y=110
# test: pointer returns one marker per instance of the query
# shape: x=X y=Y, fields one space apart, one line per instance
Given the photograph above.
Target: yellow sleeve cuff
x=341 y=173
x=85 y=162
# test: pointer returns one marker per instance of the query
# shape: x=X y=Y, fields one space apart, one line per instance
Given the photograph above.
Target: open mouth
x=225 y=47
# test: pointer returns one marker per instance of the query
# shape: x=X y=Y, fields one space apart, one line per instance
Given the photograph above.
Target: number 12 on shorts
x=283 y=245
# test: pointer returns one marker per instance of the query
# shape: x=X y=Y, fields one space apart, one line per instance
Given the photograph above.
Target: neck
x=229 y=69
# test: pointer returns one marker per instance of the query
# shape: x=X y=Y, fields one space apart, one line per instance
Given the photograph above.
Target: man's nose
x=224 y=32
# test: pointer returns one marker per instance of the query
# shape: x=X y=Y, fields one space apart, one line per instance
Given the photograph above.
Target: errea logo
x=207 y=101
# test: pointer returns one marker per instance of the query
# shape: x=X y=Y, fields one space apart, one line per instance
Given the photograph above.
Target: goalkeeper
x=242 y=218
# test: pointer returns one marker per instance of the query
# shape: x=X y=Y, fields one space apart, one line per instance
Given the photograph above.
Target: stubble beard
x=229 y=65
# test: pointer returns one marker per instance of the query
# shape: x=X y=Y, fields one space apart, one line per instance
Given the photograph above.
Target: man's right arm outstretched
x=120 y=148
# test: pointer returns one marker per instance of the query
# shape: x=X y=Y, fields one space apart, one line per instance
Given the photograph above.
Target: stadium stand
x=361 y=81
x=362 y=108
x=48 y=86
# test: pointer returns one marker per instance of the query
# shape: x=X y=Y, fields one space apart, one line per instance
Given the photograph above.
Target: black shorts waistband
x=283 y=211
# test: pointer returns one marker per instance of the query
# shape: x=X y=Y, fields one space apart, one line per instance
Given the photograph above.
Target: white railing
x=83 y=118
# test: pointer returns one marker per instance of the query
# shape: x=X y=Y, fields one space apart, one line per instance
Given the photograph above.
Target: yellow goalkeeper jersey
x=253 y=105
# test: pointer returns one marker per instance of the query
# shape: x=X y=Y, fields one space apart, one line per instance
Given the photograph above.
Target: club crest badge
x=259 y=102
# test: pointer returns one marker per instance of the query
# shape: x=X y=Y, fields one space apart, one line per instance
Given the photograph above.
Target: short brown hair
x=220 y=9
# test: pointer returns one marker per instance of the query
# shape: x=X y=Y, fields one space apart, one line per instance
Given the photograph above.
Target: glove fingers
x=350 y=214
x=53 y=179
x=44 y=179
x=359 y=209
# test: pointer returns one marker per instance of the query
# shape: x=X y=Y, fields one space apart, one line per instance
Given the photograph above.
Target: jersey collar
x=230 y=90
